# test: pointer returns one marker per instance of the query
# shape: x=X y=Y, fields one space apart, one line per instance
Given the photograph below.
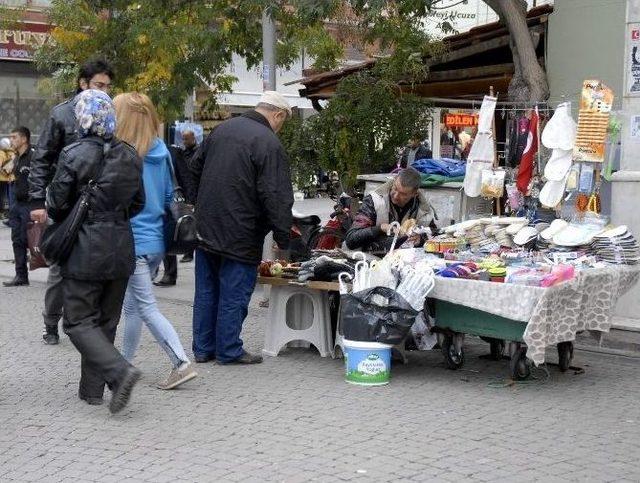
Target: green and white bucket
x=367 y=363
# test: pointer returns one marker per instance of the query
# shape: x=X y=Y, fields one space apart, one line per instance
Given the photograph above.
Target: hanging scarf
x=528 y=156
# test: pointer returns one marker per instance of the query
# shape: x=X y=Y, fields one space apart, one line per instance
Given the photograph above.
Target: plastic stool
x=281 y=330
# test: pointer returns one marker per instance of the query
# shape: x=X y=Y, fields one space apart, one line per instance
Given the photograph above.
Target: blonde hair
x=137 y=121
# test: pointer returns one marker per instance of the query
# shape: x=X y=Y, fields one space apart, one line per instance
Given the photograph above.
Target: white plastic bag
x=492 y=183
x=422 y=335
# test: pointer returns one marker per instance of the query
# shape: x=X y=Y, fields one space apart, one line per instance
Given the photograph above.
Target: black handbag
x=180 y=234
x=58 y=238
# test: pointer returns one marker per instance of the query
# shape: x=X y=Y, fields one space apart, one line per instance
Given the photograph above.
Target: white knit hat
x=5 y=144
x=275 y=99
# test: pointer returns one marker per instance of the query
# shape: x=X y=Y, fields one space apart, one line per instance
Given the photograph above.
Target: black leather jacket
x=104 y=249
x=58 y=132
x=21 y=173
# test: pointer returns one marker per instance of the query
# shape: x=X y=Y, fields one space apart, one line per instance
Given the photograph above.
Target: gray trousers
x=53 y=297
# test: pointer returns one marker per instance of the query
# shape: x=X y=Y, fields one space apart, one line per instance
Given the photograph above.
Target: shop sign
x=460 y=120
x=20 y=43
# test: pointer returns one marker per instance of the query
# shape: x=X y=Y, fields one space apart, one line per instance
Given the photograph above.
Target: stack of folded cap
x=574 y=237
x=560 y=135
x=526 y=237
x=479 y=240
x=545 y=240
x=617 y=246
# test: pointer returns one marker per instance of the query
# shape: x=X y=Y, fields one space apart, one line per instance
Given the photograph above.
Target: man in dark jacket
x=58 y=132
x=244 y=193
x=398 y=200
x=19 y=213
x=181 y=159
x=414 y=151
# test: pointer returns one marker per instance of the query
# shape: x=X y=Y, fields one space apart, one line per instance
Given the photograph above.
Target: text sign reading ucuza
x=20 y=42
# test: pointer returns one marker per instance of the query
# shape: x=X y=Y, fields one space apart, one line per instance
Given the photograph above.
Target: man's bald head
x=188 y=138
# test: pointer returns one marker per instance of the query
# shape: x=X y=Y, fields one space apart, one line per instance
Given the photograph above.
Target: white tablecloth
x=553 y=314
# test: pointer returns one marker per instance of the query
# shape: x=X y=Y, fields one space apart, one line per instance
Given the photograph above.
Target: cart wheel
x=565 y=355
x=497 y=349
x=519 y=365
x=453 y=358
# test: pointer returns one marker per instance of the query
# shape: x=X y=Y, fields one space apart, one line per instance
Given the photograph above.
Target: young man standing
x=59 y=131
x=19 y=213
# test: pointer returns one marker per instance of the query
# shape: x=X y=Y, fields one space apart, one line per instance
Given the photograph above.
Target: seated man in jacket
x=398 y=200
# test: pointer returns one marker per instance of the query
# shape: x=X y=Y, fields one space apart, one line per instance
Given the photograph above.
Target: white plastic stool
x=281 y=330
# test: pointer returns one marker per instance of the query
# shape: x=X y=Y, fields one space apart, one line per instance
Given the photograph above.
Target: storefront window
x=457 y=131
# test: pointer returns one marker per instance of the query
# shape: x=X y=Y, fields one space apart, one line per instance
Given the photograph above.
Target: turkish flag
x=526 y=162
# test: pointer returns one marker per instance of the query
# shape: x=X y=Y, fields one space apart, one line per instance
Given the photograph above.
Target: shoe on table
x=203 y=359
x=186 y=259
x=50 y=335
x=178 y=375
x=17 y=282
x=246 y=358
x=122 y=393
x=164 y=282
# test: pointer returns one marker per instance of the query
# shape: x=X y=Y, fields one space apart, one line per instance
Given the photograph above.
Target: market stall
x=553 y=266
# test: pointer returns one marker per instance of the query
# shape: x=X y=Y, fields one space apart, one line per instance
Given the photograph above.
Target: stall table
x=537 y=317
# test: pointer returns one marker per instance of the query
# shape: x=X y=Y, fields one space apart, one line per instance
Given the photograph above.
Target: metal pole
x=269 y=52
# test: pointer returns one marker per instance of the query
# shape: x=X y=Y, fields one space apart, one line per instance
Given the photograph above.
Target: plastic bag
x=516 y=199
x=492 y=183
x=364 y=320
x=422 y=336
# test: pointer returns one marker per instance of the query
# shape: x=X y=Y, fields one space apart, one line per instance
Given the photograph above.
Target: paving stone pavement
x=294 y=419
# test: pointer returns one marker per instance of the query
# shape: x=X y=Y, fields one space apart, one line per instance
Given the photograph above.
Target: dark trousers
x=223 y=291
x=19 y=216
x=170 y=263
x=91 y=315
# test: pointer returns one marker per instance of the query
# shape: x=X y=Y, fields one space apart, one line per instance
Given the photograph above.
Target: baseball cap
x=275 y=99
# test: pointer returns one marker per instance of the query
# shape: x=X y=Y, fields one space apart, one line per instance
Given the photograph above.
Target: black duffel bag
x=180 y=234
x=364 y=320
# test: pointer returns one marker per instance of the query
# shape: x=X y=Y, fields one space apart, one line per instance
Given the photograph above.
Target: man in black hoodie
x=59 y=131
x=19 y=213
x=244 y=193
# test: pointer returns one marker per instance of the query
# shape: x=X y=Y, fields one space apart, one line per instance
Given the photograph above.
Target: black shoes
x=50 y=335
x=17 y=282
x=122 y=393
x=91 y=401
x=246 y=358
x=186 y=259
x=163 y=282
x=203 y=359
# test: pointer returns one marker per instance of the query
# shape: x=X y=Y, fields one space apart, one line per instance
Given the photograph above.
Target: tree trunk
x=529 y=83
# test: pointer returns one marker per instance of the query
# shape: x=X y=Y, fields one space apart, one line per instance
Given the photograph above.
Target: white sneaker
x=177 y=376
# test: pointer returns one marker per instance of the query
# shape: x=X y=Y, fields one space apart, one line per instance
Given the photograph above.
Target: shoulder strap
x=106 y=147
x=174 y=179
x=178 y=195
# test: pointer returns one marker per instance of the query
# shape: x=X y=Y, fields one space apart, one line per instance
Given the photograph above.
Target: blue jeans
x=140 y=306
x=223 y=291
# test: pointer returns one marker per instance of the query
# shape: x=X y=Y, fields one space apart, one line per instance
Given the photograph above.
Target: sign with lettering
x=20 y=42
x=460 y=120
